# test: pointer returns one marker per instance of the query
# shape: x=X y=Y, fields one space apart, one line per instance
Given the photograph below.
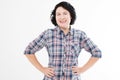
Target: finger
x=74 y=66
x=51 y=69
x=52 y=73
x=48 y=75
x=76 y=73
x=74 y=69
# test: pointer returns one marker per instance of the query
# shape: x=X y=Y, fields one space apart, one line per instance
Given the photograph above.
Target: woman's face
x=63 y=17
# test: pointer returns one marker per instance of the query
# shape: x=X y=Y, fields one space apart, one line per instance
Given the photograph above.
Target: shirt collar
x=71 y=31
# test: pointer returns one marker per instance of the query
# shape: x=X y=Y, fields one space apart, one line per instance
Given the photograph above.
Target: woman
x=63 y=44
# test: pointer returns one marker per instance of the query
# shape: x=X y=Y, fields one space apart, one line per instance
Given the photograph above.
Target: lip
x=63 y=21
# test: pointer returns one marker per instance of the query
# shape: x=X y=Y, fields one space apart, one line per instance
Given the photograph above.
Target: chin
x=63 y=27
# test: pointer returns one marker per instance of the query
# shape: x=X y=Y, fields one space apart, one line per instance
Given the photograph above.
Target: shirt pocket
x=75 y=48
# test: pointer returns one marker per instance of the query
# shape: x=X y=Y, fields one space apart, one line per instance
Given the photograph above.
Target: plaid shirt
x=63 y=51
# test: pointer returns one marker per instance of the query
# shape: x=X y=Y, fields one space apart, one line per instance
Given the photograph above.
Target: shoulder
x=77 y=31
x=48 y=32
x=79 y=34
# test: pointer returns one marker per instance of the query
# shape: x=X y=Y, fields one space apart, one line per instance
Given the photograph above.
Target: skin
x=49 y=72
x=63 y=19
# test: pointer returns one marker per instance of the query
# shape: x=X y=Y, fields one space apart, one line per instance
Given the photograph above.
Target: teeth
x=62 y=21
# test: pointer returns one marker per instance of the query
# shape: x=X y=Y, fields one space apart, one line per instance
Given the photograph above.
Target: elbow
x=97 y=54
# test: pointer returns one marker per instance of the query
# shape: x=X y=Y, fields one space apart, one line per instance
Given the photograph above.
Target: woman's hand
x=90 y=63
x=77 y=70
x=49 y=72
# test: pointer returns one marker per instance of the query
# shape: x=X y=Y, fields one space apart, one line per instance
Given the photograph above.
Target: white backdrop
x=23 y=20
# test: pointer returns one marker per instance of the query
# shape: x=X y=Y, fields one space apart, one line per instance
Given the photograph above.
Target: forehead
x=61 y=9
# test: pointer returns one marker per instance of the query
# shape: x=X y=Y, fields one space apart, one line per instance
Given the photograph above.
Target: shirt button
x=65 y=52
x=64 y=69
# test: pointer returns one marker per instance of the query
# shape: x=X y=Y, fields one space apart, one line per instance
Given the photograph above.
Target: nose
x=62 y=17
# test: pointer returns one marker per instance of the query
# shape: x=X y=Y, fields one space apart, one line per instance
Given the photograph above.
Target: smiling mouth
x=63 y=21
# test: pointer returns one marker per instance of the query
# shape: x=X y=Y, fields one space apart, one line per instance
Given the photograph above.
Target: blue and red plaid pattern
x=63 y=51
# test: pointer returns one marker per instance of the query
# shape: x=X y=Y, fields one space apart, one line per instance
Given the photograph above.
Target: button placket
x=64 y=55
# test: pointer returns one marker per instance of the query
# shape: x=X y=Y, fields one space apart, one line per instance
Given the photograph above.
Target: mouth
x=63 y=21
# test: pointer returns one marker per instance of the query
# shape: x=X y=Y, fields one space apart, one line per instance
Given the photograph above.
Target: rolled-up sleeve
x=36 y=44
x=89 y=46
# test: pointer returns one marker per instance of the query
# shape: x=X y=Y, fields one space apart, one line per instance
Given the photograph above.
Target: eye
x=65 y=13
x=57 y=14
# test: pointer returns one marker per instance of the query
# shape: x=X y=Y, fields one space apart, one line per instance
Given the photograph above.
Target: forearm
x=89 y=64
x=32 y=58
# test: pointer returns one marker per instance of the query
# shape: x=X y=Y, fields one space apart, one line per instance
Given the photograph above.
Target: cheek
x=68 y=17
x=69 y=20
x=56 y=19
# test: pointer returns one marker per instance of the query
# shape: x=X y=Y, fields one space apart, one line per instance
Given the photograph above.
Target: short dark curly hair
x=66 y=6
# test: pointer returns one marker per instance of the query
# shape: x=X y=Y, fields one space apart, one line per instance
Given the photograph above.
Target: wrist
x=82 y=69
x=41 y=69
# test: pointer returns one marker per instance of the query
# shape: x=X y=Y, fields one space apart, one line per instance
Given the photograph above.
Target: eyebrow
x=63 y=11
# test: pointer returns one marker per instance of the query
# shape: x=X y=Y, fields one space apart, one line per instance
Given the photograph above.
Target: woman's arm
x=90 y=63
x=49 y=72
x=89 y=46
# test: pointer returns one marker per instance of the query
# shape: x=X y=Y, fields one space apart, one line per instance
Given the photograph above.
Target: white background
x=21 y=21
